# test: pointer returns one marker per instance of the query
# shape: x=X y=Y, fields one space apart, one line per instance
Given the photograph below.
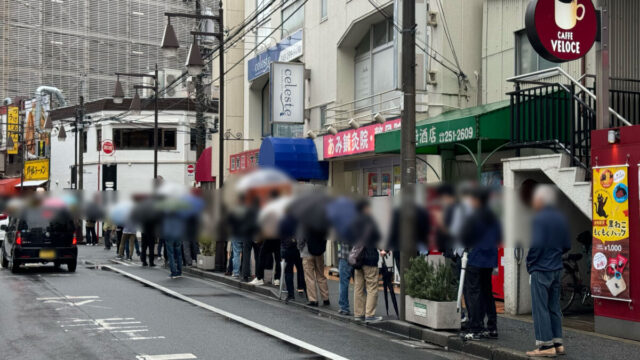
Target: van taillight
x=19 y=239
x=75 y=240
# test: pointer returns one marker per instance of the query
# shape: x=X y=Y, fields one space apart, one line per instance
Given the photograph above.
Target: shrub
x=206 y=245
x=429 y=282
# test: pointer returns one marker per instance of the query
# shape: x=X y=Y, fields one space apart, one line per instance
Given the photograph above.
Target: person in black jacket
x=366 y=276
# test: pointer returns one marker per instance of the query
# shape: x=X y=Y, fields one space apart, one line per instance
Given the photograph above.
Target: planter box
x=433 y=314
x=206 y=262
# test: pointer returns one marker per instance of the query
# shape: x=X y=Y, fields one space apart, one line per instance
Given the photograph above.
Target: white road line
x=246 y=322
x=166 y=357
x=121 y=262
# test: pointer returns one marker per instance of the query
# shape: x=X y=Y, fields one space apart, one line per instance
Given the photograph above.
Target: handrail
x=558 y=70
x=361 y=99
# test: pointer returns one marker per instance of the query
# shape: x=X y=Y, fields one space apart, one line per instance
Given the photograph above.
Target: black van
x=40 y=235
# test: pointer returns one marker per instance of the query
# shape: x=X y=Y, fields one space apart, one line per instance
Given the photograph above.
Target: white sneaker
x=276 y=282
x=256 y=281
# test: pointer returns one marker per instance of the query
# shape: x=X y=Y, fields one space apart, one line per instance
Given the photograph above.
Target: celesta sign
x=561 y=30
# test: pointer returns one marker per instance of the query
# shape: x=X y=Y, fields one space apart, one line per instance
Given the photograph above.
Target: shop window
x=292 y=17
x=266 y=111
x=142 y=139
x=527 y=59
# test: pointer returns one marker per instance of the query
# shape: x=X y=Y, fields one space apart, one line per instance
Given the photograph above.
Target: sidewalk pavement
x=515 y=335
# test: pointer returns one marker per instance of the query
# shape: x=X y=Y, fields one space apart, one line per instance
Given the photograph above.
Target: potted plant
x=431 y=295
x=206 y=258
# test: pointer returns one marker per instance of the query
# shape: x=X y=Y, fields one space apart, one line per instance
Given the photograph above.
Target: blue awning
x=294 y=156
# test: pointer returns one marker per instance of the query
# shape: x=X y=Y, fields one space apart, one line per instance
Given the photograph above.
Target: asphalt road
x=99 y=314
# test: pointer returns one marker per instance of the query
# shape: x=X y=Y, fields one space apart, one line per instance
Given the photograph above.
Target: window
x=142 y=139
x=292 y=20
x=323 y=115
x=266 y=112
x=98 y=139
x=527 y=60
x=323 y=9
x=374 y=64
x=192 y=139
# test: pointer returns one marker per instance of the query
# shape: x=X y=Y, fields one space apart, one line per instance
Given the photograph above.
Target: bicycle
x=571 y=281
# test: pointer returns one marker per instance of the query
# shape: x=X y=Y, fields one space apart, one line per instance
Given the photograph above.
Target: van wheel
x=72 y=266
x=5 y=262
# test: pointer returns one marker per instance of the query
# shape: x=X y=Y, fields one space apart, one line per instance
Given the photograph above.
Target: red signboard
x=244 y=161
x=561 y=30
x=356 y=141
x=191 y=169
x=108 y=148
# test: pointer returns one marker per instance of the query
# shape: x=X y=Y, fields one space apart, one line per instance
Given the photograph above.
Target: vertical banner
x=610 y=247
x=13 y=129
x=286 y=81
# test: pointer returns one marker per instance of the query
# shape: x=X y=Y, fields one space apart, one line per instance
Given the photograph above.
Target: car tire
x=5 y=262
x=72 y=266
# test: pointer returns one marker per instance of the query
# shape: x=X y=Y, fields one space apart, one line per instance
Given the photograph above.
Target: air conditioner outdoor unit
x=167 y=77
x=432 y=18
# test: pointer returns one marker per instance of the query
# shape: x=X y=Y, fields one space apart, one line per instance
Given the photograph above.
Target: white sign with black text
x=287 y=92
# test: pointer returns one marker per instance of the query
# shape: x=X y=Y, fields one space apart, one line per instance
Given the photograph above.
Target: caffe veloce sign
x=561 y=30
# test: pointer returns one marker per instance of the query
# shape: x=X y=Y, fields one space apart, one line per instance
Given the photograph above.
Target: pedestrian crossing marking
x=126 y=328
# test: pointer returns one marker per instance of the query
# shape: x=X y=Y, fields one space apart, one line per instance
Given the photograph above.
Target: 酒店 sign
x=561 y=30
x=287 y=92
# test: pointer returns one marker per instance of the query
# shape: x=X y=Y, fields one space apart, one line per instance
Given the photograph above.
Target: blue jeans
x=545 y=303
x=346 y=271
x=174 y=253
x=236 y=248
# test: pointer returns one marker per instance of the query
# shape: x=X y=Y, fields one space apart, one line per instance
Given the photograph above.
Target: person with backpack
x=312 y=245
x=364 y=259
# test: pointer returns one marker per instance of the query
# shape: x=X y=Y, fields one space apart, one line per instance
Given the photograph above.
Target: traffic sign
x=108 y=148
x=191 y=169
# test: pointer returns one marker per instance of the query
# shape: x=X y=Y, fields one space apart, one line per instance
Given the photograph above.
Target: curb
x=446 y=339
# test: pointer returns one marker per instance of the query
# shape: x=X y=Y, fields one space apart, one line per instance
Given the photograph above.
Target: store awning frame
x=31 y=183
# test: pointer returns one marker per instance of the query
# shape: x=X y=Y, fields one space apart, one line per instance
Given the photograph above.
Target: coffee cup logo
x=566 y=13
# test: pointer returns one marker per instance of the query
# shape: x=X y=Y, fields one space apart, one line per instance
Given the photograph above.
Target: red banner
x=356 y=141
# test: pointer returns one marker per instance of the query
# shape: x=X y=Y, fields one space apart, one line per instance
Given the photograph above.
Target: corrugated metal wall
x=58 y=43
x=624 y=37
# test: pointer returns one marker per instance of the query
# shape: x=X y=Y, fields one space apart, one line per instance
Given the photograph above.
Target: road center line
x=252 y=324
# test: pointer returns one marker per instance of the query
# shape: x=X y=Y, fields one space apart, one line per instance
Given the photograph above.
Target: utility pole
x=200 y=100
x=155 y=127
x=408 y=146
x=221 y=103
x=80 y=138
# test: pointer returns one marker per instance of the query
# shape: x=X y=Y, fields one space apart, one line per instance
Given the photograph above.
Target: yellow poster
x=610 y=247
x=36 y=170
x=13 y=129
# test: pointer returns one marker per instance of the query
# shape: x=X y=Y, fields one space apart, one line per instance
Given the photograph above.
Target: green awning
x=490 y=122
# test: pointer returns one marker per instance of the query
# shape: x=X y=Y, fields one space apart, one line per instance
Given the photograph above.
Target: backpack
x=316 y=243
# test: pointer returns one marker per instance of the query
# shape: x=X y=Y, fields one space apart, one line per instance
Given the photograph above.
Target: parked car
x=40 y=235
x=4 y=220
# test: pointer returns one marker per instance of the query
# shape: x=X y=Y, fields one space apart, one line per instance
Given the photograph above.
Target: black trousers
x=247 y=246
x=478 y=296
x=148 y=244
x=292 y=258
x=92 y=238
x=270 y=249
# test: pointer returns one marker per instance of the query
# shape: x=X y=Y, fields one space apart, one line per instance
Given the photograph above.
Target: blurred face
x=537 y=203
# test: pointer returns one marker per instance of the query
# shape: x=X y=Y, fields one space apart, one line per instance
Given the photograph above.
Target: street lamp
x=136 y=107
x=194 y=64
x=170 y=41
x=62 y=134
x=118 y=93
